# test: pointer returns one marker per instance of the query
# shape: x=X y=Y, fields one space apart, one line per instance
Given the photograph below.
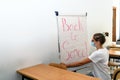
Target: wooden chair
x=116 y=74
x=113 y=66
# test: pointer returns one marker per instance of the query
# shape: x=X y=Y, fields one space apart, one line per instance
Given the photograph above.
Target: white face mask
x=93 y=44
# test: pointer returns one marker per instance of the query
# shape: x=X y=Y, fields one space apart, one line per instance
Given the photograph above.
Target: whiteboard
x=72 y=37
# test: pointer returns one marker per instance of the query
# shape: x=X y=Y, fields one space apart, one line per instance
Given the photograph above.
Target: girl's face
x=96 y=43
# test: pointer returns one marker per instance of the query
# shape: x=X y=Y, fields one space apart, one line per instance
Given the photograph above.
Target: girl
x=98 y=58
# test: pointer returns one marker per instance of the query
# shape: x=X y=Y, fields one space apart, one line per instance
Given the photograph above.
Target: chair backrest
x=116 y=74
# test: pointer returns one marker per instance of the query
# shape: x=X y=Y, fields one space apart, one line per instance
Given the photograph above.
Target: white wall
x=28 y=30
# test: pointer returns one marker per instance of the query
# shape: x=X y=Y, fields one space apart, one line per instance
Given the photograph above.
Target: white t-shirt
x=99 y=60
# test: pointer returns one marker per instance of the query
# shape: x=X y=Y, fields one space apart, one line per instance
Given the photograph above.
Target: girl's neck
x=99 y=47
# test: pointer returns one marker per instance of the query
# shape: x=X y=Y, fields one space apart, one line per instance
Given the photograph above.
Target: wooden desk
x=115 y=46
x=115 y=54
x=46 y=72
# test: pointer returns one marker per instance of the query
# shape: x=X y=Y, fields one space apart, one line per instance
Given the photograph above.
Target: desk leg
x=24 y=77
